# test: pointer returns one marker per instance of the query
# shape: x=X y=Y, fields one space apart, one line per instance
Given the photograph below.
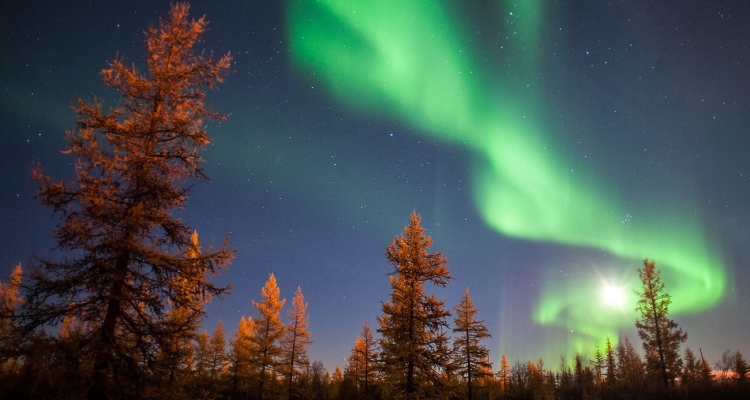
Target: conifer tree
x=363 y=361
x=611 y=364
x=470 y=354
x=740 y=368
x=10 y=332
x=201 y=358
x=368 y=353
x=661 y=335
x=216 y=355
x=125 y=246
x=503 y=375
x=414 y=343
x=242 y=349
x=629 y=366
x=268 y=331
x=599 y=362
x=295 y=341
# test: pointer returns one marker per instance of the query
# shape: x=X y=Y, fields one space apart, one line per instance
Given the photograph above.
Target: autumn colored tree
x=295 y=341
x=126 y=249
x=201 y=356
x=268 y=331
x=242 y=350
x=661 y=335
x=503 y=374
x=10 y=334
x=363 y=362
x=414 y=342
x=216 y=357
x=470 y=354
x=367 y=352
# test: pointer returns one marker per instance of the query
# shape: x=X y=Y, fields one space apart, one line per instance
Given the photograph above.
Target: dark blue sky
x=651 y=98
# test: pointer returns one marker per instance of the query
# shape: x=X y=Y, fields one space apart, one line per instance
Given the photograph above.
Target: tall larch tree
x=295 y=341
x=125 y=247
x=470 y=354
x=661 y=336
x=413 y=327
x=269 y=329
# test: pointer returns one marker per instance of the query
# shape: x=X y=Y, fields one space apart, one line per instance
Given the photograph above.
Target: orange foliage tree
x=413 y=326
x=128 y=258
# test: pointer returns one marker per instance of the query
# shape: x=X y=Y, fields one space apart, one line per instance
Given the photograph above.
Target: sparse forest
x=118 y=314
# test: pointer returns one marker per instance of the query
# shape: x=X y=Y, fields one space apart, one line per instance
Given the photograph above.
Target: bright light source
x=613 y=296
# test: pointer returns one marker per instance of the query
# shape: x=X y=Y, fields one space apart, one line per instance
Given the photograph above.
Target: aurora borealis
x=548 y=147
x=408 y=61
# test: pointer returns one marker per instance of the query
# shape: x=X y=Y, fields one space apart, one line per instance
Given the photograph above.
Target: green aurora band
x=409 y=60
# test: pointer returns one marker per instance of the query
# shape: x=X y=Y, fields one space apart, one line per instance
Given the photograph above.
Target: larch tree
x=201 y=357
x=10 y=332
x=470 y=354
x=295 y=341
x=414 y=341
x=216 y=355
x=504 y=375
x=126 y=250
x=242 y=350
x=363 y=362
x=366 y=349
x=661 y=336
x=269 y=329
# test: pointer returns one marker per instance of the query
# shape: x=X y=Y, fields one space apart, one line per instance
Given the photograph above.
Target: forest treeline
x=116 y=312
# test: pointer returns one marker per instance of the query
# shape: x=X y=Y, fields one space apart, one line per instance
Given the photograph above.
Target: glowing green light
x=409 y=60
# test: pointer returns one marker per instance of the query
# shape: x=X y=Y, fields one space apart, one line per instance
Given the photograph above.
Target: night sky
x=549 y=148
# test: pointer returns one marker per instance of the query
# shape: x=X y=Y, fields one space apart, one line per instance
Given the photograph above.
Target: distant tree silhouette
x=414 y=344
x=740 y=368
x=599 y=363
x=127 y=261
x=611 y=365
x=472 y=357
x=661 y=336
x=630 y=367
